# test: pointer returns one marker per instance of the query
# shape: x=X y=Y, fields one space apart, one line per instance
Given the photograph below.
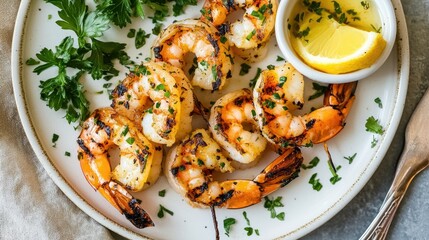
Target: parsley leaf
x=244 y=69
x=335 y=177
x=227 y=225
x=179 y=5
x=253 y=81
x=379 y=103
x=102 y=56
x=64 y=92
x=270 y=205
x=141 y=37
x=374 y=142
x=163 y=209
x=319 y=91
x=311 y=164
x=350 y=158
x=315 y=182
x=372 y=125
x=120 y=11
x=76 y=17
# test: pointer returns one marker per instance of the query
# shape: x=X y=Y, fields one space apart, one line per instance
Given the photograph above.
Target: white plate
x=305 y=209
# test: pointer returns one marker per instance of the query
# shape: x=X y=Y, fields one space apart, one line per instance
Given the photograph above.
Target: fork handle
x=405 y=173
x=380 y=225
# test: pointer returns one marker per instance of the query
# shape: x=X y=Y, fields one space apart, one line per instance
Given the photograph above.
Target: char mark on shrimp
x=223 y=29
x=217 y=71
x=214 y=43
x=85 y=149
x=139 y=217
x=120 y=90
x=310 y=124
x=198 y=191
x=223 y=198
x=157 y=52
x=229 y=5
x=103 y=126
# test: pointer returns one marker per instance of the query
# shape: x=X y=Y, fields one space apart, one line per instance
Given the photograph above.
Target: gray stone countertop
x=412 y=218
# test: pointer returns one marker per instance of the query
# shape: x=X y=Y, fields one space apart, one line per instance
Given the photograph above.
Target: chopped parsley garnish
x=365 y=4
x=249 y=229
x=269 y=104
x=244 y=69
x=140 y=39
x=160 y=87
x=350 y=158
x=250 y=35
x=279 y=59
x=379 y=103
x=377 y=30
x=282 y=81
x=131 y=33
x=214 y=72
x=200 y=162
x=54 y=139
x=203 y=64
x=313 y=6
x=319 y=91
x=271 y=67
x=335 y=177
x=163 y=209
x=303 y=33
x=130 y=140
x=253 y=81
x=313 y=163
x=315 y=182
x=372 y=125
x=162 y=193
x=67 y=154
x=125 y=131
x=374 y=142
x=227 y=225
x=270 y=205
x=258 y=15
x=157 y=29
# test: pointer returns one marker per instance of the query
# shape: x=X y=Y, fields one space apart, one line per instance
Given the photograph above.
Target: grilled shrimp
x=213 y=56
x=249 y=34
x=280 y=90
x=190 y=165
x=234 y=126
x=103 y=130
x=161 y=120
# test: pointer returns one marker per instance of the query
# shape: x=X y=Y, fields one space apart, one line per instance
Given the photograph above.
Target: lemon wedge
x=332 y=47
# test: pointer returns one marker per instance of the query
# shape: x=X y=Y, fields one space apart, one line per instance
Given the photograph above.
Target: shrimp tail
x=341 y=97
x=128 y=205
x=280 y=172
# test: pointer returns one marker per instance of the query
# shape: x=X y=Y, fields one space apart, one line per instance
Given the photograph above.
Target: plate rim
x=403 y=64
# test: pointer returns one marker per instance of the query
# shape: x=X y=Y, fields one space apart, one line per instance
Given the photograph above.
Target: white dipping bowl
x=388 y=30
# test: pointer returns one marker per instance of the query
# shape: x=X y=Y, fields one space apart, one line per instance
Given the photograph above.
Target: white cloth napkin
x=31 y=205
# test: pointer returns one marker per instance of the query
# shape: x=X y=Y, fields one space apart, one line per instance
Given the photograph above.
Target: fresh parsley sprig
x=121 y=12
x=63 y=91
x=92 y=56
